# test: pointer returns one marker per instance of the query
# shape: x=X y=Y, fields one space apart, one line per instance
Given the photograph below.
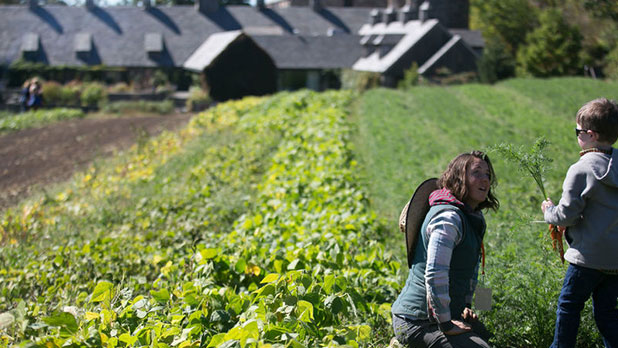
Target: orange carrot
x=556 y=233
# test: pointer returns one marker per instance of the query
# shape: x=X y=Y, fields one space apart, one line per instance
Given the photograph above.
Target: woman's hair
x=454 y=178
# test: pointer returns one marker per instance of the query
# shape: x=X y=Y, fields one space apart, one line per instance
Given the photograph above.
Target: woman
x=35 y=99
x=434 y=307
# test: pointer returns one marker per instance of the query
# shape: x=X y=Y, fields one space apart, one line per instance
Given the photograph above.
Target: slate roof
x=119 y=33
x=433 y=62
x=472 y=38
x=311 y=52
x=392 y=47
x=414 y=31
x=210 y=49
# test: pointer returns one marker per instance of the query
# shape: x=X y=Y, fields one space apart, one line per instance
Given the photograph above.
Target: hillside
x=406 y=137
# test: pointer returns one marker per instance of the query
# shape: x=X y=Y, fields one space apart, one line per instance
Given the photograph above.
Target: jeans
x=579 y=284
x=423 y=333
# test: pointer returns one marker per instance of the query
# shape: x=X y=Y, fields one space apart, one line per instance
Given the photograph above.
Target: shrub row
x=89 y=94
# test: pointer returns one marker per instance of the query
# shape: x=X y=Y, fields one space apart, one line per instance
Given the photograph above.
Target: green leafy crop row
x=248 y=228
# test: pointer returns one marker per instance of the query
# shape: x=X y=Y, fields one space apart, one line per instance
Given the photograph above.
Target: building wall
x=233 y=76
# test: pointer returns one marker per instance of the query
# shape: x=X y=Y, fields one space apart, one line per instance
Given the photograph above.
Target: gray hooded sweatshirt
x=589 y=210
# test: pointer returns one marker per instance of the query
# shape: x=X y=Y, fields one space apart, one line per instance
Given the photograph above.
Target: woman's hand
x=546 y=204
x=459 y=327
x=468 y=315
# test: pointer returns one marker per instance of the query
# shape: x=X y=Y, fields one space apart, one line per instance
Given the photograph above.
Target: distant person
x=434 y=307
x=35 y=97
x=24 y=96
x=589 y=211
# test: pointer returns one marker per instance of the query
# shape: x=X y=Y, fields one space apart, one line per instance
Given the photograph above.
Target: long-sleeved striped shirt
x=444 y=232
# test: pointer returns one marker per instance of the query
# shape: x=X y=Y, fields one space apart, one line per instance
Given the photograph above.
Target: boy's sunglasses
x=578 y=131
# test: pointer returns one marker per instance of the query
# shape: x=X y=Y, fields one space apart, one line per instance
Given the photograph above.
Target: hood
x=605 y=171
x=443 y=196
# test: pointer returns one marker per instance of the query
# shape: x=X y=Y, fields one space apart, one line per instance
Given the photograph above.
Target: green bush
x=94 y=94
x=497 y=62
x=198 y=99
x=359 y=80
x=52 y=92
x=490 y=16
x=611 y=64
x=159 y=79
x=57 y=94
x=552 y=49
x=410 y=77
x=157 y=107
x=71 y=94
x=120 y=87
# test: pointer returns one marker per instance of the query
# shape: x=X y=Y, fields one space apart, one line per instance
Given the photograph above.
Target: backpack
x=413 y=215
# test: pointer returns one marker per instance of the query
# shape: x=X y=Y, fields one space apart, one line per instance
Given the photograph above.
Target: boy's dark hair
x=454 y=178
x=600 y=115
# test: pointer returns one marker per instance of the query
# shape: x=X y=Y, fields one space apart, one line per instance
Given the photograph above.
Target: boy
x=589 y=211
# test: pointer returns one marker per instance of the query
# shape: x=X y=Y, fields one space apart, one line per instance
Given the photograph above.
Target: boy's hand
x=546 y=204
x=458 y=328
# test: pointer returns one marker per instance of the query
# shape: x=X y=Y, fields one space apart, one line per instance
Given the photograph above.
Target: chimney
x=147 y=4
x=90 y=4
x=260 y=4
x=425 y=11
x=390 y=15
x=375 y=16
x=207 y=6
x=33 y=3
x=315 y=5
x=408 y=12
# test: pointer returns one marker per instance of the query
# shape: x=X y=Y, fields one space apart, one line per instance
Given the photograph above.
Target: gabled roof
x=118 y=33
x=413 y=31
x=472 y=38
x=287 y=51
x=211 y=49
x=452 y=55
x=311 y=52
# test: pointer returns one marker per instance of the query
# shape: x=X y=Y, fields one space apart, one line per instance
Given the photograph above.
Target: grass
x=139 y=106
x=406 y=137
x=10 y=122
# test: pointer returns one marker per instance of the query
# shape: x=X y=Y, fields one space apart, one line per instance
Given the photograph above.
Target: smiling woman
x=435 y=304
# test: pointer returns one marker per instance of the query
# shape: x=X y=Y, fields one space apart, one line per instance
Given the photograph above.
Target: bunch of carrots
x=534 y=162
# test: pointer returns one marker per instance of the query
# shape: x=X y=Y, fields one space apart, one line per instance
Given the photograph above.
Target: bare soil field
x=33 y=158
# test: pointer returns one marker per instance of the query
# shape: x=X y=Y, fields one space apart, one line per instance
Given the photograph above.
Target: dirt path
x=36 y=157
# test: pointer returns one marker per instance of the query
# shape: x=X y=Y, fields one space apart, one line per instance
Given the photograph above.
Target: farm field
x=32 y=159
x=272 y=222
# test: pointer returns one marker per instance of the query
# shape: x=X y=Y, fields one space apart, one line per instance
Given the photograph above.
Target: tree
x=611 y=64
x=602 y=8
x=497 y=62
x=552 y=49
x=505 y=20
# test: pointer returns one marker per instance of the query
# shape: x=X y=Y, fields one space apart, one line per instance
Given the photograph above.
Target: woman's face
x=478 y=180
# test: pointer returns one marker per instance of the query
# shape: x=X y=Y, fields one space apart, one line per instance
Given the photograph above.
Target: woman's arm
x=444 y=232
